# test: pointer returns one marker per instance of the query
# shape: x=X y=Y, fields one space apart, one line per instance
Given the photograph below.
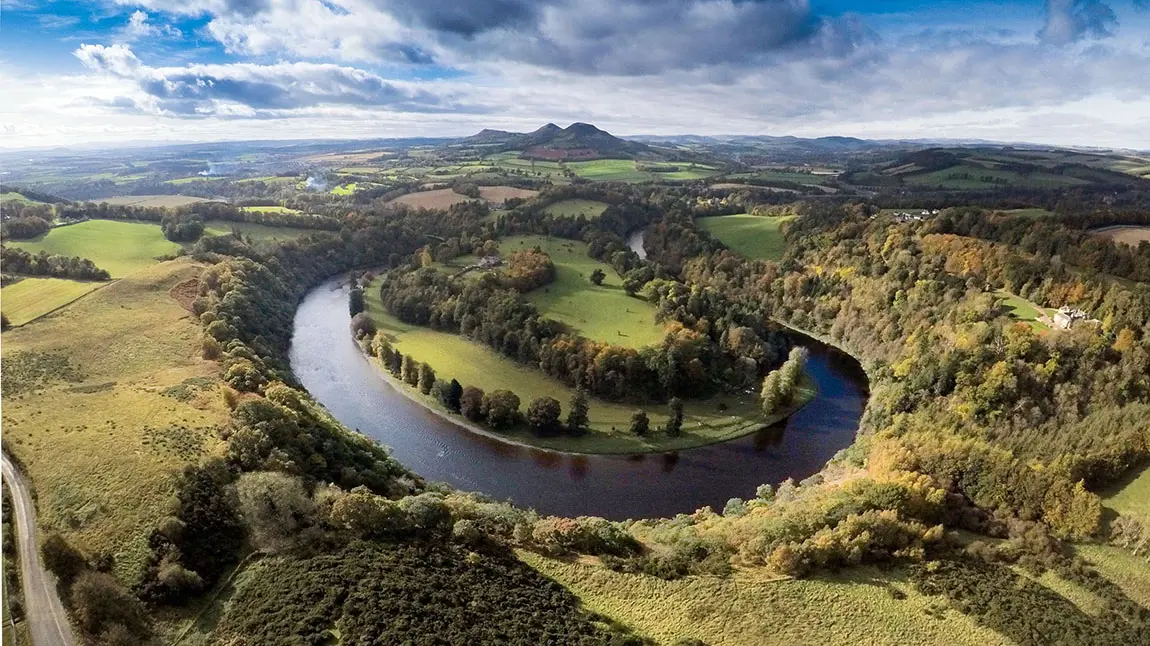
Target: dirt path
x=46 y=618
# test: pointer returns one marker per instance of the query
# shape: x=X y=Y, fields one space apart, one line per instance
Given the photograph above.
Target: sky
x=109 y=72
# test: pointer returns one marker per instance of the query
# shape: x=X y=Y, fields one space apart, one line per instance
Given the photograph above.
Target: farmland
x=152 y=200
x=119 y=247
x=440 y=198
x=752 y=236
x=31 y=298
x=268 y=209
x=257 y=232
x=103 y=401
x=589 y=209
x=1132 y=236
x=500 y=194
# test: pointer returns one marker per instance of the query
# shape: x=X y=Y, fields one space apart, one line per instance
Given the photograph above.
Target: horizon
x=1050 y=73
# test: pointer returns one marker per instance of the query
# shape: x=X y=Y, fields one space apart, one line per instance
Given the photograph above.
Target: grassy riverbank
x=708 y=421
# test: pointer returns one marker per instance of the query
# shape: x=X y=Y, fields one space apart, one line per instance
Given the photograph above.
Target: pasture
x=346 y=189
x=500 y=194
x=752 y=236
x=153 y=200
x=1131 y=235
x=257 y=232
x=31 y=298
x=610 y=170
x=455 y=357
x=861 y=605
x=268 y=209
x=975 y=176
x=440 y=198
x=103 y=402
x=1132 y=498
x=589 y=209
x=119 y=247
x=601 y=312
x=13 y=197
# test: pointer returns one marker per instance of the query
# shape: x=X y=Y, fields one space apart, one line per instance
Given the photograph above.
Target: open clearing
x=628 y=170
x=117 y=246
x=1130 y=235
x=752 y=236
x=1023 y=310
x=32 y=298
x=257 y=232
x=440 y=198
x=589 y=209
x=103 y=402
x=854 y=607
x=601 y=312
x=152 y=200
x=455 y=357
x=12 y=197
x=1132 y=498
x=500 y=194
x=268 y=209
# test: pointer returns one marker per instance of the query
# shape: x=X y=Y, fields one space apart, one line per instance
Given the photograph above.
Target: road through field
x=47 y=621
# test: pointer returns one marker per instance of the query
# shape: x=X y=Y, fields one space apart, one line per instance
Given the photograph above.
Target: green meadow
x=119 y=247
x=1023 y=310
x=257 y=232
x=268 y=209
x=455 y=357
x=601 y=312
x=752 y=236
x=589 y=209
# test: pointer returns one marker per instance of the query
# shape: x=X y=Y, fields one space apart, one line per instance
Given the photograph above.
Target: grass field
x=440 y=198
x=855 y=607
x=268 y=209
x=604 y=312
x=611 y=170
x=153 y=200
x=453 y=356
x=12 y=197
x=1130 y=235
x=346 y=189
x=1028 y=213
x=1129 y=572
x=85 y=410
x=32 y=298
x=500 y=194
x=256 y=231
x=589 y=209
x=119 y=247
x=752 y=236
x=1132 y=498
x=783 y=175
x=969 y=176
x=1023 y=310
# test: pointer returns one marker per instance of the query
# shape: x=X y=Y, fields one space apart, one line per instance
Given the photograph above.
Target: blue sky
x=1072 y=72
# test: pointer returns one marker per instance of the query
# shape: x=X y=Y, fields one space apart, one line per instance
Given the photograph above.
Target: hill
x=579 y=141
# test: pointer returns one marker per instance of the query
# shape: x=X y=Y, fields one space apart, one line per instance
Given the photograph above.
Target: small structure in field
x=490 y=262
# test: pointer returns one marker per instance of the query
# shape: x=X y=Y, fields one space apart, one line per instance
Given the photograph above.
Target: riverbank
x=597 y=442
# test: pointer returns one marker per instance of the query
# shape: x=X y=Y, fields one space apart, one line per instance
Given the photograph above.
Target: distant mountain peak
x=548 y=129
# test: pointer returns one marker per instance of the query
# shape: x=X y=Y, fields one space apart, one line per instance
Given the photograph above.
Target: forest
x=976 y=422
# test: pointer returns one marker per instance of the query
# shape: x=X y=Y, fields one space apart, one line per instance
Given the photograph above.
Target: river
x=326 y=360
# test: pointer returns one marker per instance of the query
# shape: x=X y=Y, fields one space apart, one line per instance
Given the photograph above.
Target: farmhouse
x=1066 y=317
x=490 y=262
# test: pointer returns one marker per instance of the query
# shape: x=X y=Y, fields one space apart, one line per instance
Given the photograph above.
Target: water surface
x=328 y=363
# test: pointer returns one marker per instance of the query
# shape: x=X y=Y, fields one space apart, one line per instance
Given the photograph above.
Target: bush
x=99 y=603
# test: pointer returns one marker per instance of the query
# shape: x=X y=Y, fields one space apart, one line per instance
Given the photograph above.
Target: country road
x=45 y=615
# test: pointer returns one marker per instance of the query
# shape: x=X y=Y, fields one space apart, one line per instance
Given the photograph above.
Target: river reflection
x=329 y=364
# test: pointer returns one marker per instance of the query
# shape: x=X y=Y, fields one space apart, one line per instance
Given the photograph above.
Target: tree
x=276 y=508
x=62 y=559
x=577 y=412
x=501 y=408
x=770 y=396
x=639 y=423
x=356 y=301
x=426 y=378
x=471 y=403
x=396 y=365
x=632 y=286
x=453 y=401
x=99 y=602
x=675 y=423
x=410 y=371
x=597 y=276
x=543 y=415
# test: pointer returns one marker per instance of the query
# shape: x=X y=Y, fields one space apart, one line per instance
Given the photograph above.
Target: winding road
x=44 y=613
